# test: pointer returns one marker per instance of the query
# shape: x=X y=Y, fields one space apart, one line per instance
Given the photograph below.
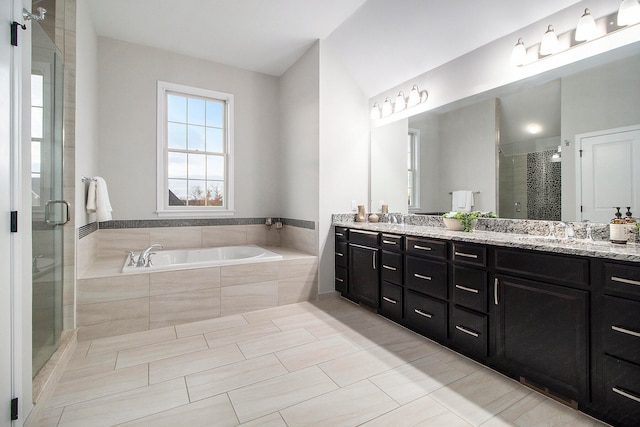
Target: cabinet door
x=542 y=335
x=364 y=281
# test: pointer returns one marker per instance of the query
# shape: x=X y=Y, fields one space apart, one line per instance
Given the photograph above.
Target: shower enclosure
x=49 y=211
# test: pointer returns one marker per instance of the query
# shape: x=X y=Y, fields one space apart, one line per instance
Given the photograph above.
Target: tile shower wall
x=543 y=186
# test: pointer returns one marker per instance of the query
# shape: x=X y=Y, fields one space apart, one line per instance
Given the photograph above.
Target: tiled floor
x=329 y=363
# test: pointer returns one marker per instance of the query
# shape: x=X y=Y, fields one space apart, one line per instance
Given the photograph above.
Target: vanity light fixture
x=586 y=29
x=414 y=96
x=387 y=108
x=549 y=44
x=401 y=103
x=534 y=128
x=375 y=111
x=628 y=13
x=519 y=54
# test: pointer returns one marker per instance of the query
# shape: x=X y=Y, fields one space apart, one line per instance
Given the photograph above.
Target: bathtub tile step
x=170 y=282
x=232 y=275
x=116 y=288
x=184 y=307
x=133 y=340
x=114 y=328
x=249 y=297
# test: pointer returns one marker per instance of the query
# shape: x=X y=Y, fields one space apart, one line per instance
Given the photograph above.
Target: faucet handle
x=132 y=258
x=149 y=263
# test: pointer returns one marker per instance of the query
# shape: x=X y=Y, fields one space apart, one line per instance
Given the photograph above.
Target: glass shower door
x=49 y=211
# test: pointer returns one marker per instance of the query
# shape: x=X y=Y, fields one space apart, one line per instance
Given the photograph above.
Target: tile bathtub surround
x=117 y=304
x=281 y=366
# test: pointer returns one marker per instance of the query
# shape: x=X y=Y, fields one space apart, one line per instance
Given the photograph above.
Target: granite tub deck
x=110 y=303
x=597 y=249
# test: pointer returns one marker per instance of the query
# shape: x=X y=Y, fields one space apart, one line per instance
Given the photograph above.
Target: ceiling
x=382 y=43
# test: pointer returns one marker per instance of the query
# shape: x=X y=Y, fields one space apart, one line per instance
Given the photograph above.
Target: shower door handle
x=48 y=212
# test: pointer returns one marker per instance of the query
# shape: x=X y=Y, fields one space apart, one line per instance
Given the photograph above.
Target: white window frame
x=162 y=198
x=415 y=134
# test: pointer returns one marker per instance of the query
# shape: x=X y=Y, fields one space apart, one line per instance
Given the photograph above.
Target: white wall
x=127 y=126
x=344 y=154
x=602 y=98
x=429 y=128
x=86 y=108
x=468 y=141
x=389 y=166
x=298 y=158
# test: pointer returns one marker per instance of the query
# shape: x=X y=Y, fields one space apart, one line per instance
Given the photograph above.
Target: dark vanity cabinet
x=391 y=286
x=618 y=353
x=426 y=306
x=567 y=326
x=541 y=304
x=364 y=268
x=469 y=295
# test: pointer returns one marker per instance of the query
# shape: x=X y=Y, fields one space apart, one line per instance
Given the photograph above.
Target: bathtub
x=183 y=259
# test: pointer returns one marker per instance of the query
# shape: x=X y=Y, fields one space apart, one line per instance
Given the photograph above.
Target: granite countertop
x=596 y=249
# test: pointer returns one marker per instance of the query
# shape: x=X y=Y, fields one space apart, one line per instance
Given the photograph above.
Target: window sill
x=194 y=213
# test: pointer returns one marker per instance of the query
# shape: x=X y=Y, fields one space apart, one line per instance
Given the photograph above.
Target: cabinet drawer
x=366 y=238
x=622 y=388
x=428 y=277
x=392 y=267
x=341 y=254
x=341 y=280
x=342 y=233
x=622 y=278
x=391 y=301
x=470 y=288
x=426 y=315
x=469 y=254
x=391 y=242
x=469 y=332
x=553 y=268
x=622 y=328
x=426 y=247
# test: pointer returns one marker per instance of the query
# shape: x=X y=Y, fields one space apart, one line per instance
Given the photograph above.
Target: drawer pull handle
x=339 y=254
x=464 y=255
x=464 y=288
x=626 y=331
x=420 y=276
x=496 y=282
x=422 y=313
x=390 y=300
x=424 y=248
x=388 y=267
x=389 y=242
x=467 y=331
x=368 y=233
x=340 y=234
x=626 y=394
x=623 y=280
x=339 y=280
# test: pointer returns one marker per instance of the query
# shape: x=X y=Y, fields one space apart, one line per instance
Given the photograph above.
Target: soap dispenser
x=618 y=229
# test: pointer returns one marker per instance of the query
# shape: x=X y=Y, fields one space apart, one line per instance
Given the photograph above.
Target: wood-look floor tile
x=215 y=410
x=421 y=412
x=345 y=407
x=268 y=396
x=271 y=420
x=209 y=325
x=240 y=333
x=99 y=385
x=315 y=352
x=190 y=363
x=223 y=379
x=361 y=365
x=127 y=406
x=162 y=350
x=136 y=339
x=276 y=342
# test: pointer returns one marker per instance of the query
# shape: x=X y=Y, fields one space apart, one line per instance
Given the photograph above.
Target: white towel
x=98 y=199
x=462 y=200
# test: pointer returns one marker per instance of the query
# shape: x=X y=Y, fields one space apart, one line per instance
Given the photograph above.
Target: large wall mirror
x=518 y=147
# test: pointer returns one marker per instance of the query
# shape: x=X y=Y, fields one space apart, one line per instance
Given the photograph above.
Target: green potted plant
x=464 y=221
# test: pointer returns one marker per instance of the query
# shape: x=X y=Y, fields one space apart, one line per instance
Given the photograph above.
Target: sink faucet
x=588 y=236
x=568 y=230
x=34 y=264
x=143 y=259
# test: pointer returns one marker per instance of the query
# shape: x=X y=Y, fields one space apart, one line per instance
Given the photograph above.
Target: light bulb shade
x=549 y=44
x=519 y=54
x=401 y=103
x=586 y=29
x=629 y=13
x=414 y=97
x=387 y=108
x=375 y=111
